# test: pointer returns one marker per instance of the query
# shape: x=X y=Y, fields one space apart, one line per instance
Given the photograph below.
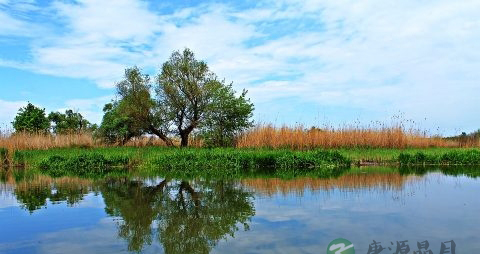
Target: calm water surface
x=40 y=214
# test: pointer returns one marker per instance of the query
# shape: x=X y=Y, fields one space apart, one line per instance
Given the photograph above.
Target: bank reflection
x=183 y=216
x=187 y=216
x=347 y=182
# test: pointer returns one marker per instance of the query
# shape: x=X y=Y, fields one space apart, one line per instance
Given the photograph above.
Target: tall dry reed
x=300 y=138
x=29 y=141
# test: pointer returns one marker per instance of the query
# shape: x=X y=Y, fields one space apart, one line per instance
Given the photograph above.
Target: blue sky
x=303 y=61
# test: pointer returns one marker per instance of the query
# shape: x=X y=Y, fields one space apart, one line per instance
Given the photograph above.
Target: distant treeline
x=467 y=140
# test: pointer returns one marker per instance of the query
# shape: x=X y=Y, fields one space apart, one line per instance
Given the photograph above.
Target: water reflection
x=189 y=217
x=33 y=191
x=184 y=216
x=193 y=216
x=354 y=181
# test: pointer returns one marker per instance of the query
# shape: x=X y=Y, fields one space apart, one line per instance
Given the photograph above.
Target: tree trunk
x=161 y=135
x=184 y=141
x=184 y=134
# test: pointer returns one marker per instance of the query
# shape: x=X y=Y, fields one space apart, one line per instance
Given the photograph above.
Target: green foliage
x=134 y=113
x=465 y=157
x=83 y=165
x=226 y=117
x=185 y=88
x=229 y=162
x=31 y=119
x=135 y=102
x=218 y=162
x=19 y=158
x=190 y=96
x=70 y=122
x=115 y=127
x=3 y=156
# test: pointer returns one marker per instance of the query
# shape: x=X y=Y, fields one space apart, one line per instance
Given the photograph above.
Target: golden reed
x=28 y=141
x=300 y=138
x=265 y=136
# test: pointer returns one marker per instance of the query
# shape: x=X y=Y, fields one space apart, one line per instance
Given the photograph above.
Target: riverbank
x=228 y=158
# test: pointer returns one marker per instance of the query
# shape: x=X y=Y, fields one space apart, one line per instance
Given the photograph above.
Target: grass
x=3 y=157
x=84 y=165
x=391 y=155
x=231 y=162
x=454 y=157
x=192 y=161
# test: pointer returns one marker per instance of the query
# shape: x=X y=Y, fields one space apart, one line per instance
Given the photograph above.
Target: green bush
x=3 y=156
x=234 y=162
x=467 y=157
x=83 y=165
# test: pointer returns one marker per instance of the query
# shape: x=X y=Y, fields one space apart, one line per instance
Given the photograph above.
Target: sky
x=310 y=62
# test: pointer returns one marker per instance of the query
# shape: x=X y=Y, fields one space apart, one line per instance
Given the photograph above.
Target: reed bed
x=298 y=137
x=31 y=141
x=260 y=136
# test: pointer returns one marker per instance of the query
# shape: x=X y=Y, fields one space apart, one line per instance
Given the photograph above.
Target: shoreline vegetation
x=260 y=136
x=232 y=162
x=265 y=149
x=358 y=146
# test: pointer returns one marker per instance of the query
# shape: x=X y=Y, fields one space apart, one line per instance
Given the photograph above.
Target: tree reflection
x=184 y=216
x=189 y=217
x=34 y=191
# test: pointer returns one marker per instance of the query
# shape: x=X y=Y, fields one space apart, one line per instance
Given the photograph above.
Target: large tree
x=188 y=93
x=31 y=119
x=189 y=97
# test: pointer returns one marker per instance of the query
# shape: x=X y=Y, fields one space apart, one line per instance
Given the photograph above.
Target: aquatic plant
x=455 y=157
x=83 y=165
x=3 y=156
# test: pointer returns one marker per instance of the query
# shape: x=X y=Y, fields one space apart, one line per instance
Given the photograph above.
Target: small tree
x=116 y=128
x=227 y=117
x=31 y=119
x=70 y=122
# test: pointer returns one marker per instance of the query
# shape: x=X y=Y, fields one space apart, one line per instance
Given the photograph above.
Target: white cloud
x=421 y=58
x=8 y=110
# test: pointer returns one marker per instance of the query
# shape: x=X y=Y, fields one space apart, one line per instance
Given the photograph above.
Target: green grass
x=382 y=155
x=84 y=165
x=466 y=157
x=230 y=162
x=3 y=156
x=194 y=161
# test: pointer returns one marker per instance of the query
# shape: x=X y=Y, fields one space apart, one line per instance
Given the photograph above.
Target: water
x=40 y=214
